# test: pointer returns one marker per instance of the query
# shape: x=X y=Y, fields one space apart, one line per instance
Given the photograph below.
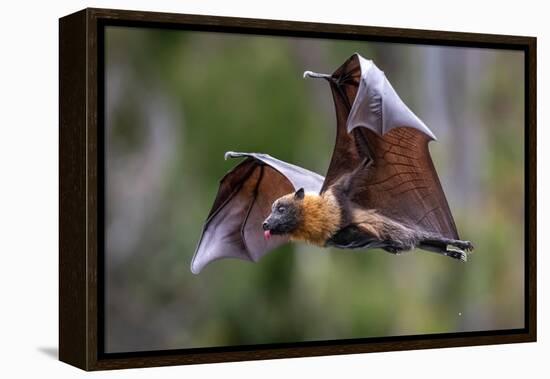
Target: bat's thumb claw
x=229 y=154
x=311 y=74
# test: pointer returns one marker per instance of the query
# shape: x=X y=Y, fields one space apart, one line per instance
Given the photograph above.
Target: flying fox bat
x=381 y=189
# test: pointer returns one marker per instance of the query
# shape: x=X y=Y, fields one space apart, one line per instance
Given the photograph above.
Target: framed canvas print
x=238 y=189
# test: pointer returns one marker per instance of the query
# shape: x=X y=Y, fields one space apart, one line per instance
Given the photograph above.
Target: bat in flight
x=381 y=189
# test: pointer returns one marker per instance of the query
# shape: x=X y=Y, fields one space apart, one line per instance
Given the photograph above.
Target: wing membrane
x=373 y=124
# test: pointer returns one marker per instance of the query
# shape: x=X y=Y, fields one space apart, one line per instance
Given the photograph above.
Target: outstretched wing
x=373 y=124
x=233 y=228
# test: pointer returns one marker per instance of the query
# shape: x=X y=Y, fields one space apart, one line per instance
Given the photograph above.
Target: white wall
x=28 y=201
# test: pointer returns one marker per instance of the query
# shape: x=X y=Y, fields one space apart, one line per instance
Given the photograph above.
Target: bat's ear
x=299 y=195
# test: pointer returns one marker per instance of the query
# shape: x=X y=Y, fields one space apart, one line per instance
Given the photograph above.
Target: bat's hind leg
x=456 y=249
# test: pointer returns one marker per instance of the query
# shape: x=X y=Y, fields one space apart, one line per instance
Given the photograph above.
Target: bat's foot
x=459 y=249
x=456 y=254
x=455 y=249
x=462 y=245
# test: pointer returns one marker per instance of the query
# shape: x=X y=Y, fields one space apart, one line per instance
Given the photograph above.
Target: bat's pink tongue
x=267 y=235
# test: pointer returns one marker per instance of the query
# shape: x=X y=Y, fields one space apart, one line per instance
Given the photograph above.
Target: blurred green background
x=177 y=100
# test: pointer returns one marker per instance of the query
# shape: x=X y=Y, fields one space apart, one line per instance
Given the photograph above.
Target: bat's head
x=286 y=214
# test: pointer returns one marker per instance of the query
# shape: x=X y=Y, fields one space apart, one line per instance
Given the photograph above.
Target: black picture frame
x=81 y=184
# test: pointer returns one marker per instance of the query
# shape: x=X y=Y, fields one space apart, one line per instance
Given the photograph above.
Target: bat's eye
x=280 y=209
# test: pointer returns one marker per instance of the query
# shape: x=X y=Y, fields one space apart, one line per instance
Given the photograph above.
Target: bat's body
x=330 y=219
x=381 y=189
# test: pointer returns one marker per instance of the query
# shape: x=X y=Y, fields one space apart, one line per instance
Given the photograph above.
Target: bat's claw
x=230 y=154
x=311 y=74
x=464 y=245
x=457 y=254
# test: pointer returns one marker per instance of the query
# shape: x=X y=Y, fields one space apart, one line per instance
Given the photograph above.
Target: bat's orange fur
x=320 y=217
